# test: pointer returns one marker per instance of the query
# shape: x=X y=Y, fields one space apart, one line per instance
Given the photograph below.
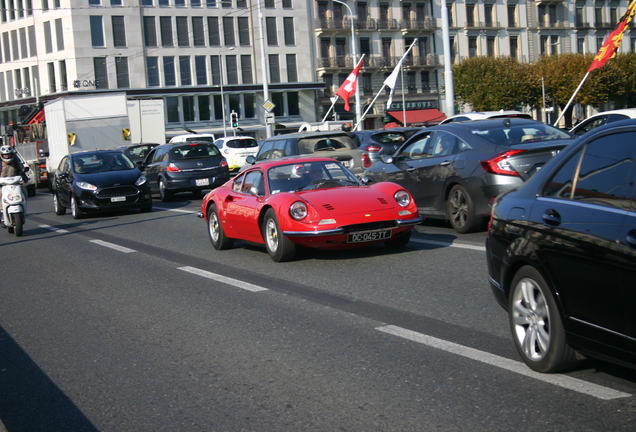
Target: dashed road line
x=176 y=210
x=113 y=246
x=51 y=228
x=224 y=279
x=448 y=244
x=567 y=382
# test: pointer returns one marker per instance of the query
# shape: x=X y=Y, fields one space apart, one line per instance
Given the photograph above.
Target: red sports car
x=307 y=201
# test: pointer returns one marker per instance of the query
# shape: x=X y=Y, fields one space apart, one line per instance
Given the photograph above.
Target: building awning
x=423 y=117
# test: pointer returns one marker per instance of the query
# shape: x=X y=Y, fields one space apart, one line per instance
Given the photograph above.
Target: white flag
x=391 y=80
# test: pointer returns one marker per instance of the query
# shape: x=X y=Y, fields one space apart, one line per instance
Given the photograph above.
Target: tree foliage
x=489 y=83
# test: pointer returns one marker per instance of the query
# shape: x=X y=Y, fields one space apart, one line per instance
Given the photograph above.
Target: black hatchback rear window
x=194 y=151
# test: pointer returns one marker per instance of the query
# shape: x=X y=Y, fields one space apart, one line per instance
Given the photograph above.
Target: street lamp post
x=222 y=93
x=354 y=54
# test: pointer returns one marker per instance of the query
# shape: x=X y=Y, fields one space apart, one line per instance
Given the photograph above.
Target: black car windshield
x=389 y=137
x=309 y=175
x=101 y=162
x=194 y=151
x=525 y=133
x=328 y=143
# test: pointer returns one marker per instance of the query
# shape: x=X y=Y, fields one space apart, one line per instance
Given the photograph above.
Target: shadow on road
x=29 y=400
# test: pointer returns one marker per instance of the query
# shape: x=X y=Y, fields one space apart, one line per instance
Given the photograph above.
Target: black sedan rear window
x=194 y=151
x=243 y=143
x=318 y=144
x=513 y=135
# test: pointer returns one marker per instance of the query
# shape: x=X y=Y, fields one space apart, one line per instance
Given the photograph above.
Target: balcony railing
x=425 y=24
x=378 y=61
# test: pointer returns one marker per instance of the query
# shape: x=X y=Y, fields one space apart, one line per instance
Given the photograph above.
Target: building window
x=152 y=71
x=165 y=23
x=246 y=69
x=490 y=46
x=272 y=35
x=365 y=86
x=244 y=31
x=292 y=72
x=115 y=2
x=119 y=31
x=410 y=82
x=198 y=34
x=426 y=83
x=514 y=47
x=33 y=46
x=210 y=3
x=59 y=34
x=183 y=37
x=288 y=27
x=146 y=2
x=15 y=45
x=189 y=113
x=580 y=45
x=215 y=62
x=169 y=73
x=328 y=80
x=241 y=4
x=172 y=109
x=293 y=103
x=470 y=15
x=150 y=32
x=51 y=71
x=121 y=70
x=231 y=69
x=204 y=107
x=24 y=48
x=488 y=11
x=201 y=70
x=274 y=68
x=97 y=31
x=270 y=4
x=228 y=31
x=279 y=101
x=287 y=4
x=214 y=37
x=472 y=46
x=101 y=73
x=512 y=15
x=63 y=76
x=185 y=70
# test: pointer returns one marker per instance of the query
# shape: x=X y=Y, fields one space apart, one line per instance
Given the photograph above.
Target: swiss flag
x=348 y=87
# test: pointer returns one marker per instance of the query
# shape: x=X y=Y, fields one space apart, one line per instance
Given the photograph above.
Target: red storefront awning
x=423 y=117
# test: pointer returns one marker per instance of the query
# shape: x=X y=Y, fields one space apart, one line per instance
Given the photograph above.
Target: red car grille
x=370 y=226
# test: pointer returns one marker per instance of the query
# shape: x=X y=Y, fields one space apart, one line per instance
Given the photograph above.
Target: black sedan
x=561 y=254
x=97 y=181
x=137 y=152
x=185 y=167
x=455 y=170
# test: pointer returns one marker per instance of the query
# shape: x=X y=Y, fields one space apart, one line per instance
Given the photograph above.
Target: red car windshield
x=309 y=175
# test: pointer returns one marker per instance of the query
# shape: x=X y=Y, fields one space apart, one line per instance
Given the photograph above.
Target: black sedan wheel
x=461 y=210
x=59 y=208
x=75 y=210
x=215 y=230
x=279 y=247
x=536 y=325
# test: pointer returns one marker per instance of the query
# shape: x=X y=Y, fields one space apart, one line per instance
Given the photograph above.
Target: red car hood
x=348 y=199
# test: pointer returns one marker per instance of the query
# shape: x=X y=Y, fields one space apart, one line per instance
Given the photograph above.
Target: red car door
x=243 y=204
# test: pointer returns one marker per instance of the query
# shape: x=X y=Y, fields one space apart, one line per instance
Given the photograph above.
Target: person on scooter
x=11 y=166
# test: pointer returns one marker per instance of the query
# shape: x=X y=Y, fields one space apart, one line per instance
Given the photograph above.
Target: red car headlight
x=402 y=197
x=298 y=210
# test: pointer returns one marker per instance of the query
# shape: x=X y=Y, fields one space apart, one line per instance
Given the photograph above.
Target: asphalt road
x=133 y=322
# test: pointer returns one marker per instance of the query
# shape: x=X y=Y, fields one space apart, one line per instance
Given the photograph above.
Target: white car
x=603 y=118
x=203 y=137
x=235 y=149
x=475 y=115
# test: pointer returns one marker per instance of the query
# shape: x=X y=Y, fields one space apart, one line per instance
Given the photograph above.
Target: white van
x=192 y=138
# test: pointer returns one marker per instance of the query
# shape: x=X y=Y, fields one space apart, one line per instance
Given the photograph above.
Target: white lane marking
x=176 y=210
x=224 y=279
x=447 y=244
x=113 y=246
x=58 y=230
x=569 y=383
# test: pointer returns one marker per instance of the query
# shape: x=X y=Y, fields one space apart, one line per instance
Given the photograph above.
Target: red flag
x=348 y=87
x=610 y=46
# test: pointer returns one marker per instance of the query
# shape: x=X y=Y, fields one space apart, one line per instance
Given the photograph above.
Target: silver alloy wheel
x=459 y=207
x=214 y=227
x=531 y=318
x=271 y=235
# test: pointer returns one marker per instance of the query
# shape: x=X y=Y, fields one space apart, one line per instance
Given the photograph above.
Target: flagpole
x=369 y=107
x=329 y=112
x=571 y=99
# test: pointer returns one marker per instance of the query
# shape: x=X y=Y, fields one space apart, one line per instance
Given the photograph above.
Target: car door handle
x=631 y=238
x=552 y=217
x=410 y=170
x=445 y=163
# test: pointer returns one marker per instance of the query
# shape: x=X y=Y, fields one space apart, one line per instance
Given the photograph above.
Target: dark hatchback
x=379 y=142
x=561 y=253
x=185 y=167
x=98 y=181
x=455 y=170
x=137 y=152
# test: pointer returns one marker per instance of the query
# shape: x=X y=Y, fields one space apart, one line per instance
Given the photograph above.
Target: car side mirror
x=250 y=160
x=26 y=169
x=387 y=159
x=62 y=175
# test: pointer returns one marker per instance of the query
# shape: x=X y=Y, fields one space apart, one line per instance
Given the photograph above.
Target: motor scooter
x=13 y=204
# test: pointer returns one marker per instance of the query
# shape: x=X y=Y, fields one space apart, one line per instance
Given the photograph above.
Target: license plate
x=202 y=182
x=345 y=163
x=117 y=199
x=368 y=236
